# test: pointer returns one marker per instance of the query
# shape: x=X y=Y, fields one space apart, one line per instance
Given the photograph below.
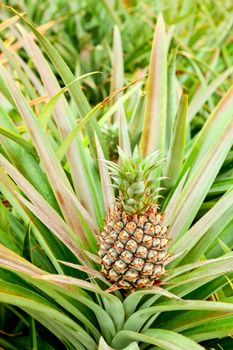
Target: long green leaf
x=132 y=301
x=53 y=248
x=171 y=97
x=137 y=319
x=212 y=329
x=21 y=297
x=84 y=185
x=43 y=210
x=124 y=140
x=117 y=76
x=107 y=189
x=177 y=147
x=197 y=231
x=161 y=337
x=24 y=160
x=19 y=140
x=67 y=76
x=53 y=168
x=202 y=94
x=154 y=131
x=204 y=161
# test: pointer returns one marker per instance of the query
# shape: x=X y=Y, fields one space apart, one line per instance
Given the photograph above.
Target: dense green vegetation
x=77 y=79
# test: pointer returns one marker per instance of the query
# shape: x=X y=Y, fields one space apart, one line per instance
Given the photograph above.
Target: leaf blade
x=153 y=137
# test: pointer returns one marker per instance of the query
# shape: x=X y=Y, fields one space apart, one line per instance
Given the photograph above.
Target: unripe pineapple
x=133 y=242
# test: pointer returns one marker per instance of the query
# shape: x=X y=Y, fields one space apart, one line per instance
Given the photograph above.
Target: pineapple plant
x=71 y=275
x=133 y=242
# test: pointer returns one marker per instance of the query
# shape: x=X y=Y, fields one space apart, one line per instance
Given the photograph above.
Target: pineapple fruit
x=133 y=242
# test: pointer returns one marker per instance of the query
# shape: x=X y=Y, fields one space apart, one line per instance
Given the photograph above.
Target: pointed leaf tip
x=154 y=129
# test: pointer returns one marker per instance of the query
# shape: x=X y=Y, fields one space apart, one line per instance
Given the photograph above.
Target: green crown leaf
x=138 y=190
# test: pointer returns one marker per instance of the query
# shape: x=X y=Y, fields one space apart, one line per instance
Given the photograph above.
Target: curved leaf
x=161 y=337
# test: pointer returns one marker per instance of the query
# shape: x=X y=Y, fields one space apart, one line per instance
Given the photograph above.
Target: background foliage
x=49 y=169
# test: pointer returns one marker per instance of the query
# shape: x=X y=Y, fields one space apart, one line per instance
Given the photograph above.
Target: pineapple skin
x=133 y=248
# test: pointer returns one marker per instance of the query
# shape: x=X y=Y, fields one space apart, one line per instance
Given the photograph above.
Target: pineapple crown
x=138 y=190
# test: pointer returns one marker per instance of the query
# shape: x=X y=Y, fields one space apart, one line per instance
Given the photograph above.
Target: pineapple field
x=116 y=175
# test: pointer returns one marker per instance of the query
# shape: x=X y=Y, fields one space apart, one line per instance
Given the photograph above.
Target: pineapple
x=133 y=242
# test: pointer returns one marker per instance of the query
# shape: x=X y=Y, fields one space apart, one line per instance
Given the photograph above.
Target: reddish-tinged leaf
x=86 y=269
x=43 y=210
x=54 y=225
x=170 y=209
x=124 y=141
x=11 y=260
x=67 y=280
x=83 y=187
x=153 y=137
x=117 y=78
x=107 y=189
x=48 y=158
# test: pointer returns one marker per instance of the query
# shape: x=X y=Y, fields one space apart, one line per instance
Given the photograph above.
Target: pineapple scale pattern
x=133 y=248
